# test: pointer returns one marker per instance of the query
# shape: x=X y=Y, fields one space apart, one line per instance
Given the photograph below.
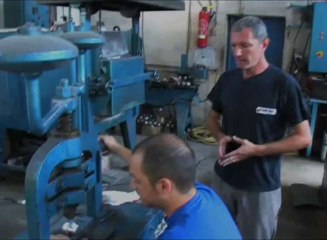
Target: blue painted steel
x=84 y=40
x=73 y=180
x=28 y=57
x=37 y=124
x=126 y=82
x=126 y=115
x=24 y=53
x=18 y=12
x=66 y=170
x=126 y=90
x=318 y=51
x=314 y=113
x=136 y=42
x=39 y=172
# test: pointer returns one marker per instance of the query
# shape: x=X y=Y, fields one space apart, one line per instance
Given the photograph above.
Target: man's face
x=247 y=50
x=141 y=183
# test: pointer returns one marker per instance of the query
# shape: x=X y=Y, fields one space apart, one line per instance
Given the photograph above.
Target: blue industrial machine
x=110 y=90
x=318 y=52
x=18 y=12
x=51 y=88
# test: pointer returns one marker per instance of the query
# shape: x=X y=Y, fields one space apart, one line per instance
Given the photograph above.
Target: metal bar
x=131 y=80
x=135 y=35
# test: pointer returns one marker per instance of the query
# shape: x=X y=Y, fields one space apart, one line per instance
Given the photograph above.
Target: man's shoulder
x=200 y=219
x=280 y=74
x=204 y=188
x=209 y=197
x=281 y=78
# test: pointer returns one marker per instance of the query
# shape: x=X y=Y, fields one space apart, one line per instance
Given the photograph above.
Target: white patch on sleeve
x=266 y=111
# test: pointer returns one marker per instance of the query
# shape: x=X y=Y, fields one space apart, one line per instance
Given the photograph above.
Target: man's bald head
x=167 y=156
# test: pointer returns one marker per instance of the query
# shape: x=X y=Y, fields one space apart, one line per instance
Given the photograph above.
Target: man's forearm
x=289 y=144
x=123 y=153
x=299 y=139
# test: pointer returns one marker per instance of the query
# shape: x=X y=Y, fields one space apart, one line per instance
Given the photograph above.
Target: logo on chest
x=266 y=111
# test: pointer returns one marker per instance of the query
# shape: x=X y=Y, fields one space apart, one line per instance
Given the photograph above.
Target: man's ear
x=164 y=186
x=265 y=44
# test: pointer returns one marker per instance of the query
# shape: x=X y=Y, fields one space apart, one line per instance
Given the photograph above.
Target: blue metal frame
x=314 y=114
x=318 y=50
x=25 y=11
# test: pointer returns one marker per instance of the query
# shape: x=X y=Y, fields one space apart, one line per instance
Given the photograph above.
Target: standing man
x=252 y=109
x=163 y=172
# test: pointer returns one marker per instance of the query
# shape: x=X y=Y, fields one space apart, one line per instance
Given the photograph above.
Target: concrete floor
x=294 y=223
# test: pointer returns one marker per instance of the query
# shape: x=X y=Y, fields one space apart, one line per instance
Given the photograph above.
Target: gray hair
x=257 y=26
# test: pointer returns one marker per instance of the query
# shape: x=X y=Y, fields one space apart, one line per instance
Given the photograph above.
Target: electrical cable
x=202 y=135
x=294 y=46
x=306 y=44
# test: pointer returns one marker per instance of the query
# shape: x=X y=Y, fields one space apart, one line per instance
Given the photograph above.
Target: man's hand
x=110 y=142
x=246 y=150
x=222 y=145
x=116 y=148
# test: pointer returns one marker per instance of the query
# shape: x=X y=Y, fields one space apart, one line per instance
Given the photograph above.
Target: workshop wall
x=1 y=14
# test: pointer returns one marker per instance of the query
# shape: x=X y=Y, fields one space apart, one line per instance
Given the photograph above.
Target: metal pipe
x=33 y=103
x=37 y=124
x=55 y=112
x=135 y=35
x=81 y=122
x=85 y=20
x=81 y=67
x=74 y=80
x=73 y=69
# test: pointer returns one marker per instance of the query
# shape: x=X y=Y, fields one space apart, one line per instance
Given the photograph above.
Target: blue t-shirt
x=205 y=216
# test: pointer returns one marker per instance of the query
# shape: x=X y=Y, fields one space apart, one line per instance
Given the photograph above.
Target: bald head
x=167 y=156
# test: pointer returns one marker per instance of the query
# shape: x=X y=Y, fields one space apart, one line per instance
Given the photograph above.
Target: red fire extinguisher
x=204 y=21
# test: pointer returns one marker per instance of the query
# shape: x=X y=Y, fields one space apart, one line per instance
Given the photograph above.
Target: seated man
x=163 y=172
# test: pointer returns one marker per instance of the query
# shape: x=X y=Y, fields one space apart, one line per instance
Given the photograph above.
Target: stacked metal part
x=178 y=82
x=160 y=120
